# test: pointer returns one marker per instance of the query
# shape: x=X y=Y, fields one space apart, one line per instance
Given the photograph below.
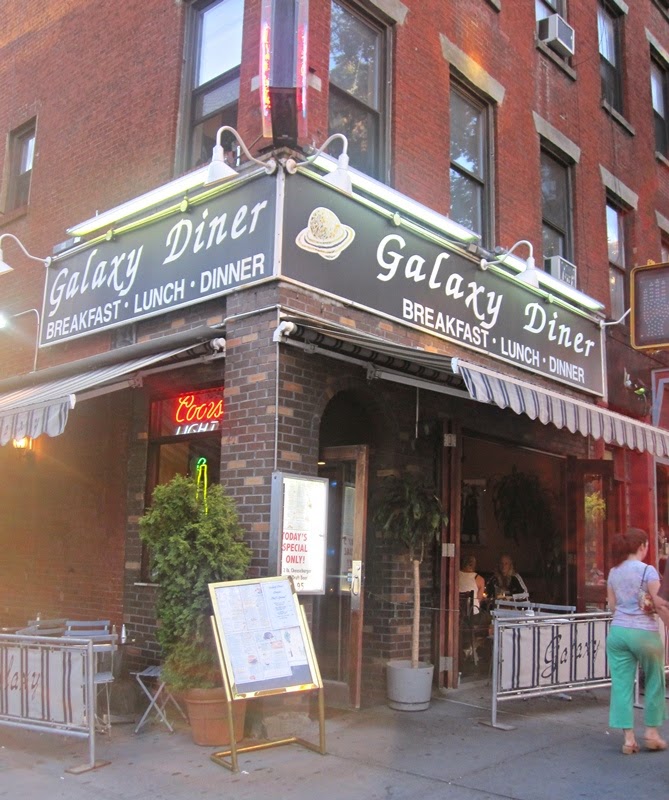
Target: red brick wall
x=62 y=523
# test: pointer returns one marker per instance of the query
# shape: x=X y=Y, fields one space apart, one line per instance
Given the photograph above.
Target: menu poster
x=265 y=642
x=298 y=530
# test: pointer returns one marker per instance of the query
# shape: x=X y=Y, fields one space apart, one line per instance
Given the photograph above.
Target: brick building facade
x=467 y=108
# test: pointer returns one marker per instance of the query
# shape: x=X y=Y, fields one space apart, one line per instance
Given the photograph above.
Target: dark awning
x=441 y=373
x=44 y=407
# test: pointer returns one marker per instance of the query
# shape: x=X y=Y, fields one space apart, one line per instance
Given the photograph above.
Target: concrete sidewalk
x=558 y=749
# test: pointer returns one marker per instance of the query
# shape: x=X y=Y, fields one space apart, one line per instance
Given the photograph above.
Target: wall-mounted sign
x=298 y=530
x=347 y=249
x=198 y=411
x=214 y=247
x=649 y=323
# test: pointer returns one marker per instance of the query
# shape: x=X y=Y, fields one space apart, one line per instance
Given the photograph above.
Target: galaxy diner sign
x=214 y=247
x=332 y=243
x=351 y=251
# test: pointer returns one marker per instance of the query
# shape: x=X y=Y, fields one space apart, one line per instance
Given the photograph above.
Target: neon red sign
x=193 y=412
x=196 y=408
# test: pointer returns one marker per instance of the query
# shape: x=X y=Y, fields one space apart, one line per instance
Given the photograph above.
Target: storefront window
x=184 y=432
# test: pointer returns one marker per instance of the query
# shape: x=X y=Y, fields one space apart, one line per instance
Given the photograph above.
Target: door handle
x=356 y=584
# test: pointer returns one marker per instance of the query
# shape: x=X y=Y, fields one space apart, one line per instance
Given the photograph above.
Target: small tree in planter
x=410 y=513
x=193 y=542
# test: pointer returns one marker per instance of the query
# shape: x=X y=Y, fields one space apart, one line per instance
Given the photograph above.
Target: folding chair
x=159 y=696
x=104 y=646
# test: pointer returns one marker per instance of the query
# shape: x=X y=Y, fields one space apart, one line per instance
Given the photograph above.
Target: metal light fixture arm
x=45 y=261
x=530 y=264
x=269 y=166
x=327 y=143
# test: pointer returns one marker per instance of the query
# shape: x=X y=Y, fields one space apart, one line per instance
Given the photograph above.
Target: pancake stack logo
x=325 y=234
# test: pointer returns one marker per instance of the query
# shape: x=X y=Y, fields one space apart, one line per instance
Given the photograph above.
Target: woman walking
x=634 y=640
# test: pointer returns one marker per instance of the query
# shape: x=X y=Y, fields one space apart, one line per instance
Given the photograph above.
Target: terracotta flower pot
x=208 y=716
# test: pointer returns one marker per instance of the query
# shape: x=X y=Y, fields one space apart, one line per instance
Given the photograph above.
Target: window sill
x=662 y=158
x=146 y=584
x=496 y=4
x=556 y=59
x=618 y=117
x=11 y=216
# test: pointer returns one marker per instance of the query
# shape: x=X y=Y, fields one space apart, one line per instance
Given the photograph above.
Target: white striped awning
x=44 y=407
x=561 y=410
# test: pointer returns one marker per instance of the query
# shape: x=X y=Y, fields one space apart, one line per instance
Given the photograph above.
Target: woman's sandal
x=655 y=744
x=630 y=749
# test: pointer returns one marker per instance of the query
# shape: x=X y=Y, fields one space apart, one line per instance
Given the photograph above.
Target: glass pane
x=216 y=98
x=665 y=251
x=467 y=135
x=354 y=56
x=466 y=201
x=220 y=46
x=552 y=242
x=594 y=516
x=27 y=145
x=607 y=36
x=614 y=236
x=657 y=88
x=617 y=290
x=204 y=136
x=361 y=128
x=332 y=611
x=554 y=192
x=544 y=8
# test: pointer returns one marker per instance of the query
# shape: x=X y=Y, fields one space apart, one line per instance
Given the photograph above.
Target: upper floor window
x=470 y=162
x=357 y=96
x=217 y=56
x=610 y=65
x=664 y=249
x=556 y=209
x=21 y=155
x=658 y=89
x=544 y=8
x=615 y=236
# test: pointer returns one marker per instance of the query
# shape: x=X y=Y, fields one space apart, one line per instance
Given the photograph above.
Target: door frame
x=360 y=455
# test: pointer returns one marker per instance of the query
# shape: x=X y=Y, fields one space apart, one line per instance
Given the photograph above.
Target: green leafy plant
x=410 y=514
x=192 y=544
x=524 y=510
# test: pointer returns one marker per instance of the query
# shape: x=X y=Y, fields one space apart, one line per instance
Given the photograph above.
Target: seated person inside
x=474 y=617
x=471 y=581
x=506 y=583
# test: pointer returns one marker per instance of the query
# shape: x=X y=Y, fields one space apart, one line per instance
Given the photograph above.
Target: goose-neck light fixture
x=528 y=273
x=339 y=174
x=4 y=266
x=219 y=169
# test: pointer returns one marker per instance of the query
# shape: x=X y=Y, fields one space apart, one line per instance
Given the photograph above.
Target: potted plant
x=194 y=539
x=409 y=513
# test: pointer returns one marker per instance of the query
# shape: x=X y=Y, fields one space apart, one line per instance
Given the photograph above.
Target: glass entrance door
x=593 y=515
x=338 y=614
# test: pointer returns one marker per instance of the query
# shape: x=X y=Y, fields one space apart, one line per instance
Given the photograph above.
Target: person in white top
x=471 y=581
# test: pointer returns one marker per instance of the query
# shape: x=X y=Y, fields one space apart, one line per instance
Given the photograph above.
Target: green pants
x=625 y=648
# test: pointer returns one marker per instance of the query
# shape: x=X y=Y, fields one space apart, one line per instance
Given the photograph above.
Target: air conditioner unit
x=557 y=34
x=561 y=269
